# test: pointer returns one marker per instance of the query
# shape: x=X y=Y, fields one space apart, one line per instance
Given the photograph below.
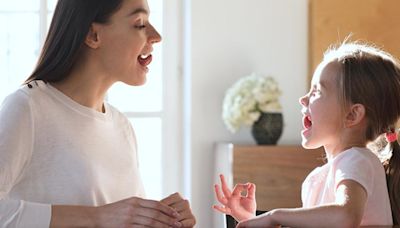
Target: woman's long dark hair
x=68 y=30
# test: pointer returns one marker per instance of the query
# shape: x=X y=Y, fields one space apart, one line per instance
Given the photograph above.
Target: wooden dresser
x=277 y=171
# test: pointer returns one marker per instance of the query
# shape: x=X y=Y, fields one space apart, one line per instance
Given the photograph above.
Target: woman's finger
x=188 y=222
x=154 y=216
x=151 y=222
x=156 y=205
x=172 y=199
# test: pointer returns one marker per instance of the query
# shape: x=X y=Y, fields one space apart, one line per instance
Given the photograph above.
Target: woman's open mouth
x=145 y=60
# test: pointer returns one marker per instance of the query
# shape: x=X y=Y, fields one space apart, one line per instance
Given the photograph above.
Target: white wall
x=230 y=39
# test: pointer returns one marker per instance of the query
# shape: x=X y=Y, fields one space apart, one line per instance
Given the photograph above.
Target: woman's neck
x=86 y=87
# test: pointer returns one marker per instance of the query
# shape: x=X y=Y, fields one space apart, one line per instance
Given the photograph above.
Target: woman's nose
x=154 y=36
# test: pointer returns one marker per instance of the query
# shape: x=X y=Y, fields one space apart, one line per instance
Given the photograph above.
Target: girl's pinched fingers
x=238 y=189
x=224 y=186
x=219 y=195
x=251 y=191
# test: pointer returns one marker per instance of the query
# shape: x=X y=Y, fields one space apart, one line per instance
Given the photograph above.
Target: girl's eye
x=316 y=92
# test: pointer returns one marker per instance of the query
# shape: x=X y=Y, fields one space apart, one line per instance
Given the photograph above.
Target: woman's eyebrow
x=138 y=11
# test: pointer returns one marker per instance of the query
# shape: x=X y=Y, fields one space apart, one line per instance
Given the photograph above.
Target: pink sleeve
x=356 y=167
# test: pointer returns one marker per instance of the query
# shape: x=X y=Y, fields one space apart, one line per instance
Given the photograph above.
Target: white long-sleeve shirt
x=54 y=151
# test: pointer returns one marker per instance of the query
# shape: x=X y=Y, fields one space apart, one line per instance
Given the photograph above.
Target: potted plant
x=254 y=101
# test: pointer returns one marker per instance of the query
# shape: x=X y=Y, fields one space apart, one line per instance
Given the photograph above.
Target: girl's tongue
x=307 y=122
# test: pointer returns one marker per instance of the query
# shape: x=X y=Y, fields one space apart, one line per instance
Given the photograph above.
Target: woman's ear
x=92 y=38
x=355 y=115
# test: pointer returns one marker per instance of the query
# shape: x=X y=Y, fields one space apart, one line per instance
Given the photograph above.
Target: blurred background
x=207 y=46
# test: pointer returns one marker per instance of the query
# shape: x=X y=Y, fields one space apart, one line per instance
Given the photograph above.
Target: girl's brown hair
x=371 y=77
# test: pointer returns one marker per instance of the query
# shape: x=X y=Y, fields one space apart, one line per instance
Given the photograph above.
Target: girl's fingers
x=222 y=209
x=224 y=187
x=251 y=191
x=219 y=195
x=237 y=190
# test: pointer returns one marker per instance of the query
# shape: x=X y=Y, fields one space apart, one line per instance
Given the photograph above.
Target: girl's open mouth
x=307 y=123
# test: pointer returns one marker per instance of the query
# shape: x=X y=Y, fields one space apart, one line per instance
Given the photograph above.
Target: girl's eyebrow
x=138 y=11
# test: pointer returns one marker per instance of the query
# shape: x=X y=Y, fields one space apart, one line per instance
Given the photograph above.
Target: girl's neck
x=349 y=138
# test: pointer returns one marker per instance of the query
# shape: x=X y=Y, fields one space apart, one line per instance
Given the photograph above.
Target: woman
x=67 y=158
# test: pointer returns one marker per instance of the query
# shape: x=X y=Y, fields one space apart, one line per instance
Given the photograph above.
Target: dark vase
x=268 y=128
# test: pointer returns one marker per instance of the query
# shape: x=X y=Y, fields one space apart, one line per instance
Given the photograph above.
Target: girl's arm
x=347 y=211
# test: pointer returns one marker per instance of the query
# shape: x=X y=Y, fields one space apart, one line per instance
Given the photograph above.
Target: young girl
x=67 y=157
x=354 y=98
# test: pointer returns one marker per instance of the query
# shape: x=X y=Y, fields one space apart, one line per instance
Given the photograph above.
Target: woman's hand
x=234 y=204
x=137 y=212
x=186 y=217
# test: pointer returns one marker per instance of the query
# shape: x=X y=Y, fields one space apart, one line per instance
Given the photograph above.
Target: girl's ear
x=92 y=38
x=355 y=115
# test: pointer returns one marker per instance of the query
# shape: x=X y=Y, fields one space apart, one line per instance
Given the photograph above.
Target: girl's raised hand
x=239 y=206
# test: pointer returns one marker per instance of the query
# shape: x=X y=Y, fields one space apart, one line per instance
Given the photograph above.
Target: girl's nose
x=303 y=100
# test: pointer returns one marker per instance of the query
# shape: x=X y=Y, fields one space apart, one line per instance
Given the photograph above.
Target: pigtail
x=392 y=168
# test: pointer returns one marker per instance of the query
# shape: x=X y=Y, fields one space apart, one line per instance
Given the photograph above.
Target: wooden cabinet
x=277 y=171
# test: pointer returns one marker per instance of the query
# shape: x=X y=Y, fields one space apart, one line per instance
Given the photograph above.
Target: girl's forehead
x=326 y=72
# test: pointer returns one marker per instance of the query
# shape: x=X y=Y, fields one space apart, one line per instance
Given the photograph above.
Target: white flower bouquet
x=248 y=98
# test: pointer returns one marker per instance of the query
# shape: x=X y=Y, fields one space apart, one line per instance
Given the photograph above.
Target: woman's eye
x=140 y=26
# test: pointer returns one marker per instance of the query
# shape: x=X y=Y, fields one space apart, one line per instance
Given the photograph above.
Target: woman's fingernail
x=176 y=214
x=178 y=224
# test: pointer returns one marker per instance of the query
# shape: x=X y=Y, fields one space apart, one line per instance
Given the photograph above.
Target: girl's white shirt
x=56 y=151
x=360 y=165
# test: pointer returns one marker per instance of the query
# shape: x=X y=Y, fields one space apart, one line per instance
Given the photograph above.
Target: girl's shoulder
x=356 y=154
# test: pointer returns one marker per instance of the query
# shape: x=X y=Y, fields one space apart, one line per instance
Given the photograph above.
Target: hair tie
x=391 y=136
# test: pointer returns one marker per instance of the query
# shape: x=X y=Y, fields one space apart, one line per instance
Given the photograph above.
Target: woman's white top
x=54 y=151
x=357 y=164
